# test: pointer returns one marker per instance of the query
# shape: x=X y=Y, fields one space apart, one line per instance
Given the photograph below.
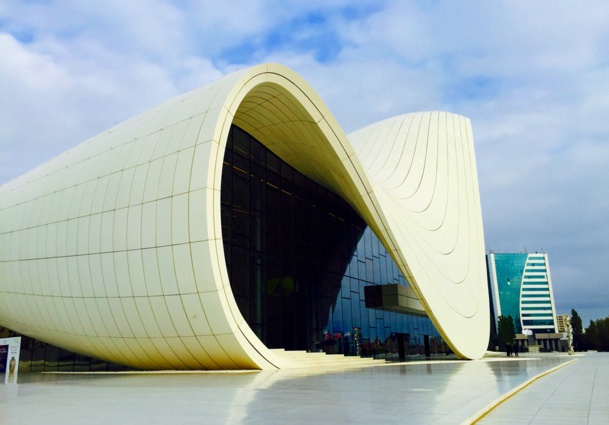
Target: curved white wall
x=423 y=171
x=114 y=248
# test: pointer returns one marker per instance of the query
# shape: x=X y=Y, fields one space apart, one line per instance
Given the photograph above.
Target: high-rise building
x=521 y=287
x=563 y=322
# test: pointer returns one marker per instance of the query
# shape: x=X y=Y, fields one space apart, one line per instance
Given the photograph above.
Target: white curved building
x=115 y=248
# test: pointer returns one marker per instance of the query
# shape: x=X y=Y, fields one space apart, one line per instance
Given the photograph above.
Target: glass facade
x=522 y=283
x=38 y=356
x=299 y=257
x=509 y=269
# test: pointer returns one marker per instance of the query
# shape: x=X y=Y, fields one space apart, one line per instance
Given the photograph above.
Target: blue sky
x=532 y=76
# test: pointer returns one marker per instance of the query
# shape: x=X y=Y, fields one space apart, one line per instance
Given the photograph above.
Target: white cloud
x=532 y=76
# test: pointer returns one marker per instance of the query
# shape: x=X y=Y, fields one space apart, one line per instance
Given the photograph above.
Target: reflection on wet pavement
x=421 y=393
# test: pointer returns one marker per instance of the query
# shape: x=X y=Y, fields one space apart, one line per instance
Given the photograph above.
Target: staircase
x=304 y=359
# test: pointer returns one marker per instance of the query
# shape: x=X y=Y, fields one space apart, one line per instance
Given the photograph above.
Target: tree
x=591 y=336
x=505 y=329
x=578 y=330
x=597 y=335
x=602 y=326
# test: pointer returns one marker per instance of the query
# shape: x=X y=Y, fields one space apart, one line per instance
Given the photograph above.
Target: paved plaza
x=576 y=394
x=434 y=392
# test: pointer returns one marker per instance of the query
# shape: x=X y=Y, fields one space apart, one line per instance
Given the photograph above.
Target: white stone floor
x=576 y=394
x=436 y=392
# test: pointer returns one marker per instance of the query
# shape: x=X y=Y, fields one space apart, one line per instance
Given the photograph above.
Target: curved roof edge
x=144 y=196
x=434 y=232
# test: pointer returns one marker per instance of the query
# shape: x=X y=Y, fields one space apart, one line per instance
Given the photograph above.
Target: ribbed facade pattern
x=114 y=248
x=536 y=301
x=521 y=287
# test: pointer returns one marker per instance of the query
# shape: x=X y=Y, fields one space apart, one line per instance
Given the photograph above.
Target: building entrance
x=298 y=256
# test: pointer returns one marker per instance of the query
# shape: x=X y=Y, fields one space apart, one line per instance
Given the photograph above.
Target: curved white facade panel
x=423 y=169
x=114 y=248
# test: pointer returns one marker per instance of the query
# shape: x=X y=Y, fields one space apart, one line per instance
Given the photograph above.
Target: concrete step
x=319 y=359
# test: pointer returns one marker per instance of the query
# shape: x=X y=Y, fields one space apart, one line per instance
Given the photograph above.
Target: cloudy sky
x=533 y=77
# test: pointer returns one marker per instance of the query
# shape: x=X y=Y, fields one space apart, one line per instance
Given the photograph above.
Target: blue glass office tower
x=521 y=287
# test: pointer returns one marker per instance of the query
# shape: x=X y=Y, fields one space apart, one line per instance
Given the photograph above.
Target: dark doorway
x=427 y=346
x=402 y=342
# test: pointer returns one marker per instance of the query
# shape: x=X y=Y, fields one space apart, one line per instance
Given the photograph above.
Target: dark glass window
x=299 y=257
